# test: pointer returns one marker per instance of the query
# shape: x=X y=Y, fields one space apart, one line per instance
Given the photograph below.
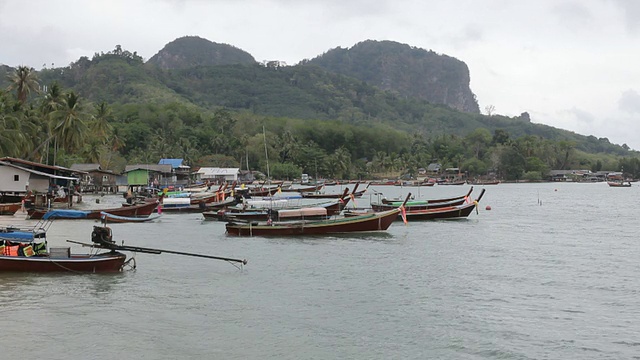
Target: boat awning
x=311 y=211
x=65 y=214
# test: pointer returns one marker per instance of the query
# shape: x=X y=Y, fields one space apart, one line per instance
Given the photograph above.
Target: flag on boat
x=403 y=211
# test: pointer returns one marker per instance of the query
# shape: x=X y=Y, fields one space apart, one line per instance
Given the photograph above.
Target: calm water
x=521 y=281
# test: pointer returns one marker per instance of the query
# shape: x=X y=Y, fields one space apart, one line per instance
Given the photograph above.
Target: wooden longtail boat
x=174 y=205
x=331 y=208
x=110 y=218
x=397 y=202
x=139 y=210
x=25 y=250
x=422 y=204
x=10 y=208
x=618 y=184
x=303 y=189
x=305 y=213
x=370 y=222
x=18 y=254
x=444 y=212
x=335 y=195
x=449 y=212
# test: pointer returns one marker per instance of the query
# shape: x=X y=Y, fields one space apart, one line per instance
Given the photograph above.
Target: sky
x=574 y=65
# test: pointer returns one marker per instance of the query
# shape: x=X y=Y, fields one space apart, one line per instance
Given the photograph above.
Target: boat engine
x=101 y=235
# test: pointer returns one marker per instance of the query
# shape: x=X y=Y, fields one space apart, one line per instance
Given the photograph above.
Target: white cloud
x=630 y=102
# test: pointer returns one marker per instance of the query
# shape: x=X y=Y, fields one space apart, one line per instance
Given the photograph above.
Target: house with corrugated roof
x=19 y=177
x=180 y=170
x=217 y=175
x=96 y=179
x=141 y=175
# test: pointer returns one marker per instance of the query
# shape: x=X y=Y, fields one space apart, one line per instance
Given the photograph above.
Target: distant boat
x=111 y=218
x=619 y=183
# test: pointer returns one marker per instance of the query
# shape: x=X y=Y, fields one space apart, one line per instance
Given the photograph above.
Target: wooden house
x=180 y=172
x=142 y=175
x=96 y=179
x=19 y=177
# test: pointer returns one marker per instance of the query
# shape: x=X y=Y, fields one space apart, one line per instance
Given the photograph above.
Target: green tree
x=24 y=81
x=71 y=129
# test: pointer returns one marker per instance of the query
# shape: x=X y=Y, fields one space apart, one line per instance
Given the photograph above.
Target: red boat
x=138 y=210
x=25 y=250
x=449 y=212
x=111 y=261
x=10 y=208
x=365 y=223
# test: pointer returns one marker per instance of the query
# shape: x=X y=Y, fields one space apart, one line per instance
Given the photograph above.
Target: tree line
x=53 y=125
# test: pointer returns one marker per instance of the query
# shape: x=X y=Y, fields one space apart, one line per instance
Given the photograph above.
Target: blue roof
x=175 y=163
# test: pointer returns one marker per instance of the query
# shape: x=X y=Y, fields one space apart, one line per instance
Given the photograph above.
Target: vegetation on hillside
x=113 y=109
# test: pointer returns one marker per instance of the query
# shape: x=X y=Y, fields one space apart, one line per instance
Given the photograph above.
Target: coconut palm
x=52 y=101
x=100 y=125
x=71 y=129
x=24 y=81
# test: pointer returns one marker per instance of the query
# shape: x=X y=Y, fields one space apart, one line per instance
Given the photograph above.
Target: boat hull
x=101 y=263
x=140 y=210
x=454 y=212
x=10 y=209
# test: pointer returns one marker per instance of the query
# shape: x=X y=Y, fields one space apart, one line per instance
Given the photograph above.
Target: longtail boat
x=9 y=208
x=448 y=212
x=106 y=217
x=138 y=210
x=319 y=211
x=302 y=189
x=397 y=202
x=618 y=184
x=335 y=195
x=412 y=205
x=26 y=250
x=379 y=221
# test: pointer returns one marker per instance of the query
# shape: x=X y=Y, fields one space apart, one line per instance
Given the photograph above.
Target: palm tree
x=24 y=81
x=53 y=101
x=100 y=125
x=71 y=129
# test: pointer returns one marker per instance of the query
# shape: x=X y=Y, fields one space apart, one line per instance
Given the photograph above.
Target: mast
x=266 y=155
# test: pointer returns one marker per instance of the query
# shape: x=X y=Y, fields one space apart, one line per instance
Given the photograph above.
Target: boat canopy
x=68 y=214
x=302 y=212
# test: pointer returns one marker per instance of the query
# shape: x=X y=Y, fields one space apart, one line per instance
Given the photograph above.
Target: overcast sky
x=574 y=65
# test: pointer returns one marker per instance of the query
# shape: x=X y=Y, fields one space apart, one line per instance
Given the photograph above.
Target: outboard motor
x=101 y=235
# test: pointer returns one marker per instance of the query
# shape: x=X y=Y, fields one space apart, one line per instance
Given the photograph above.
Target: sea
x=541 y=271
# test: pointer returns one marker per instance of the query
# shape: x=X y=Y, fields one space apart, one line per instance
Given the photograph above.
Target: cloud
x=573 y=14
x=579 y=116
x=631 y=9
x=471 y=33
x=629 y=102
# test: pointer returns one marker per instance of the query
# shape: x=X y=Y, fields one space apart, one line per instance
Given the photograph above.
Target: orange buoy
x=488 y=207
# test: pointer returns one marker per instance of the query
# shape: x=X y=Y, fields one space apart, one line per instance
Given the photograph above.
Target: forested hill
x=304 y=91
x=407 y=70
x=191 y=51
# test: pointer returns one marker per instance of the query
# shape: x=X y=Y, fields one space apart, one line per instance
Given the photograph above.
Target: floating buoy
x=555 y=190
x=488 y=207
